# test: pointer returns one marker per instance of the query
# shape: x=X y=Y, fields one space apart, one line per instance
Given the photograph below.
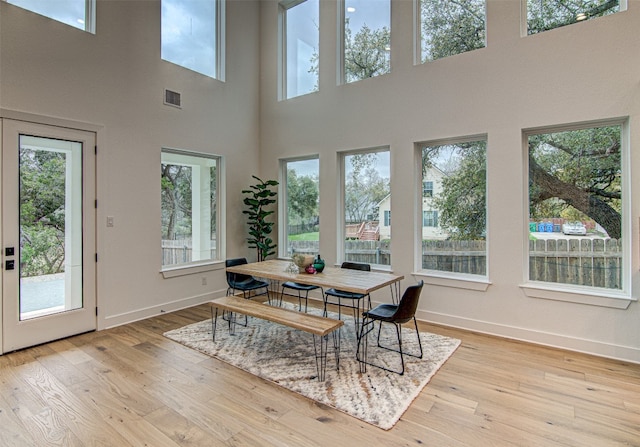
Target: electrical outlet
x=204 y=280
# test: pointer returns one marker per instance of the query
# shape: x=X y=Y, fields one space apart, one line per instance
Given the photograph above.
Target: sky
x=70 y=12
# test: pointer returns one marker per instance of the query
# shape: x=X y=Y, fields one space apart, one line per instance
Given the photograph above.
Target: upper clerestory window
x=449 y=27
x=80 y=14
x=192 y=35
x=299 y=47
x=545 y=15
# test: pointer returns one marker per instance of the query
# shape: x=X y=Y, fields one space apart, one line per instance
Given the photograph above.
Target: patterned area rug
x=286 y=357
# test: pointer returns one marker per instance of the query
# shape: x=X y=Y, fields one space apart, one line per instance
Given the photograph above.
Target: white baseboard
x=593 y=347
x=171 y=306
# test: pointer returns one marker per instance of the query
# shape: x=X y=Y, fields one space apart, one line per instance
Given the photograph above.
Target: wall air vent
x=172 y=98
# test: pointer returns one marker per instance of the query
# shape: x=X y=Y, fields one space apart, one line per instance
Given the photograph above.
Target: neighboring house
x=431 y=187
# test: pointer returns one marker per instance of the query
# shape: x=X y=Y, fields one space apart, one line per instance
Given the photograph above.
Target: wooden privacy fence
x=180 y=252
x=584 y=262
x=579 y=261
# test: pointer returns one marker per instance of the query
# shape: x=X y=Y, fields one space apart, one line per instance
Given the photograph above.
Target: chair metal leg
x=361 y=352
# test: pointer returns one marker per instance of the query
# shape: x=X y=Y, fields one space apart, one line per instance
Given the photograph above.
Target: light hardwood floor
x=130 y=386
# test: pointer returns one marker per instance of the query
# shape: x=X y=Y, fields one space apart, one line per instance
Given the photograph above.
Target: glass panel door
x=48 y=231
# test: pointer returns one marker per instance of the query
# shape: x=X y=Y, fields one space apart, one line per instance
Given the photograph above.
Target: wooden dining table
x=355 y=281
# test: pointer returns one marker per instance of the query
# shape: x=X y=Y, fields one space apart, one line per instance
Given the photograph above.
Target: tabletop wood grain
x=355 y=281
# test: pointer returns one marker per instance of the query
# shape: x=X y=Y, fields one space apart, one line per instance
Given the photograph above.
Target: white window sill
x=191 y=269
x=468 y=282
x=597 y=297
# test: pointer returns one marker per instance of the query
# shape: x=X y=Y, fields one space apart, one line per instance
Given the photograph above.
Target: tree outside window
x=189 y=198
x=575 y=187
x=367 y=39
x=449 y=27
x=367 y=207
x=454 y=214
x=545 y=15
x=301 y=203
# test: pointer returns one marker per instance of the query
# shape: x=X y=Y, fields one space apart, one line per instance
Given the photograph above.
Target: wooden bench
x=317 y=326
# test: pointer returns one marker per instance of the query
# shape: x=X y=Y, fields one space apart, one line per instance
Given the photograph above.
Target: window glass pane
x=367 y=207
x=367 y=39
x=302 y=206
x=302 y=35
x=449 y=27
x=189 y=187
x=575 y=207
x=189 y=33
x=544 y=15
x=455 y=208
x=71 y=12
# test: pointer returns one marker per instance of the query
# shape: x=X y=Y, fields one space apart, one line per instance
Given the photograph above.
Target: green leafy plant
x=258 y=199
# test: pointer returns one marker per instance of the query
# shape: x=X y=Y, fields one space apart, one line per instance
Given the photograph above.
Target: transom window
x=299 y=209
x=454 y=208
x=190 y=194
x=366 y=192
x=192 y=35
x=366 y=32
x=577 y=200
x=449 y=27
x=545 y=15
x=300 y=34
x=80 y=14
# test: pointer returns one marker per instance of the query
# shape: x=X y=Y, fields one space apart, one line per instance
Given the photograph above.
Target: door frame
x=9 y=119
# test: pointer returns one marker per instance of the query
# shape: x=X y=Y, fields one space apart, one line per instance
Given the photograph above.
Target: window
x=576 y=202
x=544 y=15
x=429 y=218
x=427 y=188
x=299 y=207
x=449 y=27
x=80 y=14
x=192 y=35
x=453 y=235
x=190 y=188
x=366 y=48
x=300 y=34
x=366 y=193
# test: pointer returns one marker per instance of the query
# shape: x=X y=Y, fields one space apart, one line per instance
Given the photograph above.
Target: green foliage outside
x=451 y=27
x=42 y=212
x=544 y=15
x=302 y=197
x=365 y=188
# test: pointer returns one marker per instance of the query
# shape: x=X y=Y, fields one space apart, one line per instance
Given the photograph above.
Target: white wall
x=584 y=72
x=113 y=81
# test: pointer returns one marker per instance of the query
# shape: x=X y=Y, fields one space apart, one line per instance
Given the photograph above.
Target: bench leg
x=214 y=323
x=321 y=356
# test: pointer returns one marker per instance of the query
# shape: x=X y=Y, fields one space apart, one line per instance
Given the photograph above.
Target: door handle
x=10 y=265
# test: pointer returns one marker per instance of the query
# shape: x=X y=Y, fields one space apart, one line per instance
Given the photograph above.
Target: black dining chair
x=244 y=283
x=349 y=300
x=396 y=314
x=299 y=288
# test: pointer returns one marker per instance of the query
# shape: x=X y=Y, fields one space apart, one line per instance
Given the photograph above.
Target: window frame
x=283 y=207
x=89 y=16
x=340 y=51
x=524 y=24
x=417 y=34
x=282 y=91
x=440 y=277
x=219 y=47
x=615 y=298
x=198 y=266
x=340 y=202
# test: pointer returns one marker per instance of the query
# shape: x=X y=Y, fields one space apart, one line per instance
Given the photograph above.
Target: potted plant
x=258 y=199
